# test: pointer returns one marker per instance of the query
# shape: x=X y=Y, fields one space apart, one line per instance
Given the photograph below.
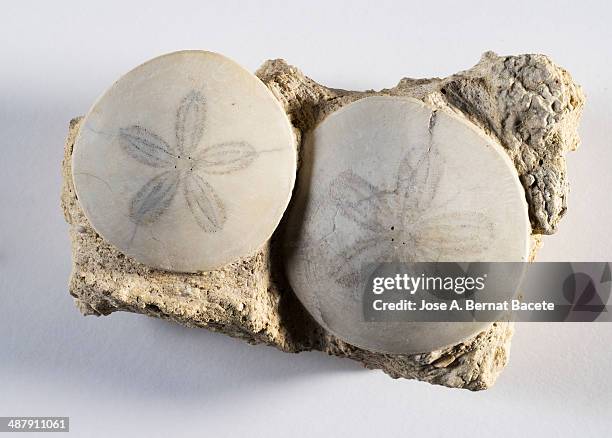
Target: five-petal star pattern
x=183 y=162
x=403 y=224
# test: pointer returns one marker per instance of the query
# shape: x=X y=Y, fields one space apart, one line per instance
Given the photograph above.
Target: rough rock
x=527 y=103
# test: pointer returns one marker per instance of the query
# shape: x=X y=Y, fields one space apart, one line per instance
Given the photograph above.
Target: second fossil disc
x=186 y=163
x=390 y=179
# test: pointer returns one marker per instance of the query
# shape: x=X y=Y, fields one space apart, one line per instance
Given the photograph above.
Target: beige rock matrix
x=526 y=104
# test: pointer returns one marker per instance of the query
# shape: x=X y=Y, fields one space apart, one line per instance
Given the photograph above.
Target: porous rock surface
x=528 y=104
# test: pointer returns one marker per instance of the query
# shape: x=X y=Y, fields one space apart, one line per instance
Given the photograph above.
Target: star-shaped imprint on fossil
x=404 y=224
x=183 y=162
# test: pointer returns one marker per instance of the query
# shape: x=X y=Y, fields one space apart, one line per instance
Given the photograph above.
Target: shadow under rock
x=198 y=364
x=137 y=357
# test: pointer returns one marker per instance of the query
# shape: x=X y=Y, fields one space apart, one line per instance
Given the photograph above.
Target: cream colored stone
x=251 y=300
x=186 y=163
x=390 y=179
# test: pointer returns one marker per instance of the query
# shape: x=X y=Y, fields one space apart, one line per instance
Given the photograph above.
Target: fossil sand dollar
x=186 y=163
x=388 y=179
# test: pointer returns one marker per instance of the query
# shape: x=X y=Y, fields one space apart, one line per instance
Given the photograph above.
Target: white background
x=128 y=375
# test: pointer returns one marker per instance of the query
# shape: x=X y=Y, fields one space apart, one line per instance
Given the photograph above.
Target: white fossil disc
x=186 y=163
x=390 y=179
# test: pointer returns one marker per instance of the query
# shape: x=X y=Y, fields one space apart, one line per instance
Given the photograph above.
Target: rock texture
x=527 y=103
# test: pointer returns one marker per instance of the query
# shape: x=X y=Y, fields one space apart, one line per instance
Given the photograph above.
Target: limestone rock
x=526 y=103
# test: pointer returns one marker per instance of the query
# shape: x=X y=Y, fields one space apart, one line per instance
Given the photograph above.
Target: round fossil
x=186 y=163
x=389 y=179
